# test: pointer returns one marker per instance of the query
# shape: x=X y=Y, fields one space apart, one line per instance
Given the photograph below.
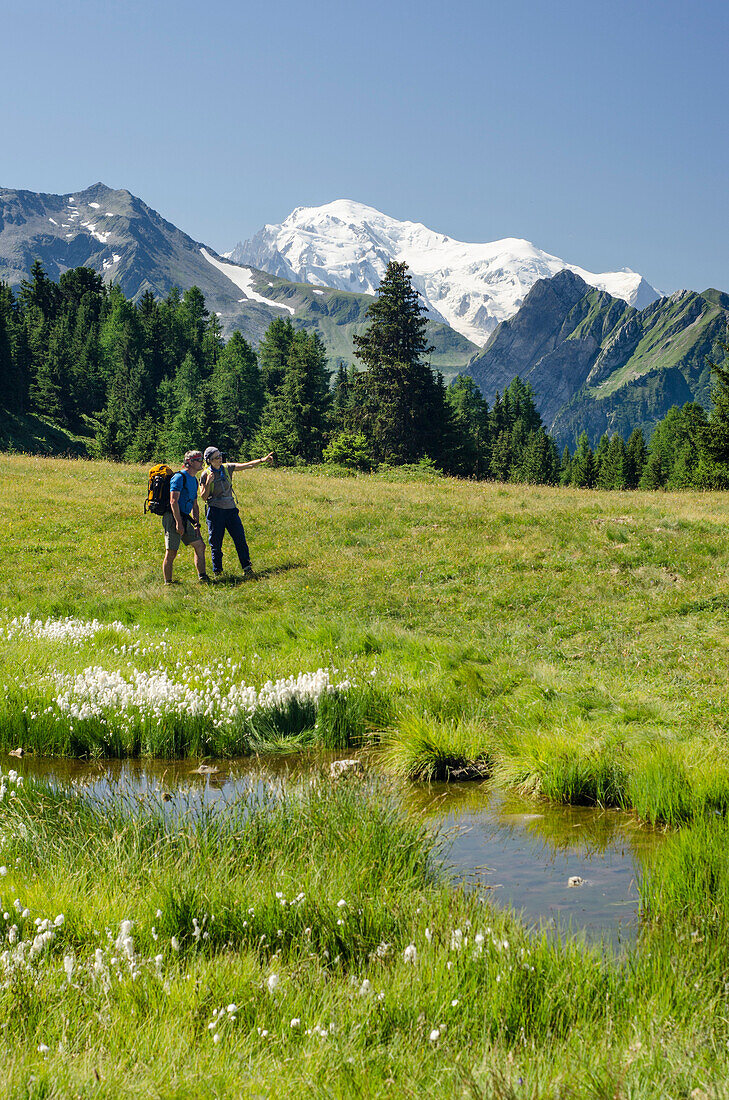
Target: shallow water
x=519 y=854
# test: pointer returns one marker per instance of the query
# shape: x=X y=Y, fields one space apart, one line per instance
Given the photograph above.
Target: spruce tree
x=635 y=457
x=273 y=353
x=13 y=369
x=565 y=474
x=611 y=471
x=237 y=395
x=295 y=417
x=471 y=438
x=401 y=407
x=583 y=464
x=716 y=436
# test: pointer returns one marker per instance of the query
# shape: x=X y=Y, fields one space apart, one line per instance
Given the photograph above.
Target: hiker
x=221 y=511
x=182 y=523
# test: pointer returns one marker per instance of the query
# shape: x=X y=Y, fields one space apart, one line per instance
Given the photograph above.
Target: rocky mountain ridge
x=598 y=364
x=129 y=243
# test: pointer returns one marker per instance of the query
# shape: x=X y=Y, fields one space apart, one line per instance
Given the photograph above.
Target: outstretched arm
x=249 y=465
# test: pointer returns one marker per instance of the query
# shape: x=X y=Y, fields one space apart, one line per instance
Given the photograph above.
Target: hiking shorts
x=172 y=536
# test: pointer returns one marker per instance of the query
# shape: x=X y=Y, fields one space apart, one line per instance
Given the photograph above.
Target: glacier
x=472 y=287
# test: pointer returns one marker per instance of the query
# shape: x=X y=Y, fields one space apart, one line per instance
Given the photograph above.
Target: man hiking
x=182 y=524
x=221 y=510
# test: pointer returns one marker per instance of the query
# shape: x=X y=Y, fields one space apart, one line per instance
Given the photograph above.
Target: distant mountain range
x=117 y=234
x=471 y=287
x=603 y=352
x=598 y=364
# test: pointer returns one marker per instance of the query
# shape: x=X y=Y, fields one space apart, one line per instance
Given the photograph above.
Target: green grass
x=579 y=638
x=325 y=888
x=571 y=645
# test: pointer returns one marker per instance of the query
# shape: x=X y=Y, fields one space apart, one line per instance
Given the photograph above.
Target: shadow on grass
x=259 y=574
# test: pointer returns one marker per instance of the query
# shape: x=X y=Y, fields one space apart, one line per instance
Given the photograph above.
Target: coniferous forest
x=145 y=381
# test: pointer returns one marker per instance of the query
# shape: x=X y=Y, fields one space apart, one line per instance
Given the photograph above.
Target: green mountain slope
x=597 y=364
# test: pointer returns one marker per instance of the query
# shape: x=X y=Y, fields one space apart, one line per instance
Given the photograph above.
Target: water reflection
x=518 y=853
x=524 y=854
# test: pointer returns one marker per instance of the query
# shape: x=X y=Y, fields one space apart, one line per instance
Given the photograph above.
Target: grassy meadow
x=569 y=644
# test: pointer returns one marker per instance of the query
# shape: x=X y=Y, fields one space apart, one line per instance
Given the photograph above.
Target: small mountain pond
x=521 y=854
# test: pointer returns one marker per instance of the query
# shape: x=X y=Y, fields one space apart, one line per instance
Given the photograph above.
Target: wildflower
x=296 y=1022
x=410 y=954
x=232 y=1008
x=60 y=919
x=341 y=903
x=68 y=966
x=454 y=1003
x=272 y=982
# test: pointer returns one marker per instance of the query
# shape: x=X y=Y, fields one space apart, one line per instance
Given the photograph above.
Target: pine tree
x=13 y=371
x=470 y=452
x=273 y=353
x=237 y=395
x=295 y=418
x=401 y=403
x=611 y=471
x=565 y=475
x=635 y=458
x=583 y=464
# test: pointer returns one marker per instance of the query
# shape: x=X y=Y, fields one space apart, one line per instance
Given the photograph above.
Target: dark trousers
x=221 y=520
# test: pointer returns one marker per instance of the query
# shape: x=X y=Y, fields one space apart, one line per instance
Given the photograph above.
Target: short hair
x=192 y=456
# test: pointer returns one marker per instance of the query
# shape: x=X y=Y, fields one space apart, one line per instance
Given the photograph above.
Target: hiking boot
x=204 y=579
x=248 y=573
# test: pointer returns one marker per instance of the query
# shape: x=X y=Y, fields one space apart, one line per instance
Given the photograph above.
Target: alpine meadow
x=229 y=811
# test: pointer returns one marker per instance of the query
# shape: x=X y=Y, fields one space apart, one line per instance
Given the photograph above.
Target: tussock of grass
x=425 y=748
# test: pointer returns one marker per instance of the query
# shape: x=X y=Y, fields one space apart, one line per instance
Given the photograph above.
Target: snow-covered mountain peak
x=347 y=245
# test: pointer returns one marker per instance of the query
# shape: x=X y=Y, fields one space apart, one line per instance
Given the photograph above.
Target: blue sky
x=598 y=131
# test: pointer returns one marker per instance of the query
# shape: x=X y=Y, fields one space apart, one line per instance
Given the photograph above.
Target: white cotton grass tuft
x=272 y=982
x=68 y=629
x=410 y=954
x=98 y=693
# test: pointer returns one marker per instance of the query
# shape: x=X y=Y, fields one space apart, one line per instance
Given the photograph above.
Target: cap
x=210 y=451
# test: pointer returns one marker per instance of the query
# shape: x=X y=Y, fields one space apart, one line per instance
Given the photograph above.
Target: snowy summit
x=472 y=287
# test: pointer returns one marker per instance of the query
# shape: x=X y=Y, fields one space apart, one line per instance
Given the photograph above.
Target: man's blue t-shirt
x=186 y=485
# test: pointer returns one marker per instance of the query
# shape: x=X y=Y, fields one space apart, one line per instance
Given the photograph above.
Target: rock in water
x=338 y=768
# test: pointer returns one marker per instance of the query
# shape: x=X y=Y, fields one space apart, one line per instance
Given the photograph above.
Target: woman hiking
x=221 y=511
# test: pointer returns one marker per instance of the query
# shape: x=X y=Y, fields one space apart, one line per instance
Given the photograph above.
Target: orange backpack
x=158 y=492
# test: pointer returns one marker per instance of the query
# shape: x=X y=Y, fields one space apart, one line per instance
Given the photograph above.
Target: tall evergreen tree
x=295 y=417
x=402 y=403
x=611 y=469
x=635 y=456
x=470 y=450
x=583 y=464
x=236 y=395
x=274 y=351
